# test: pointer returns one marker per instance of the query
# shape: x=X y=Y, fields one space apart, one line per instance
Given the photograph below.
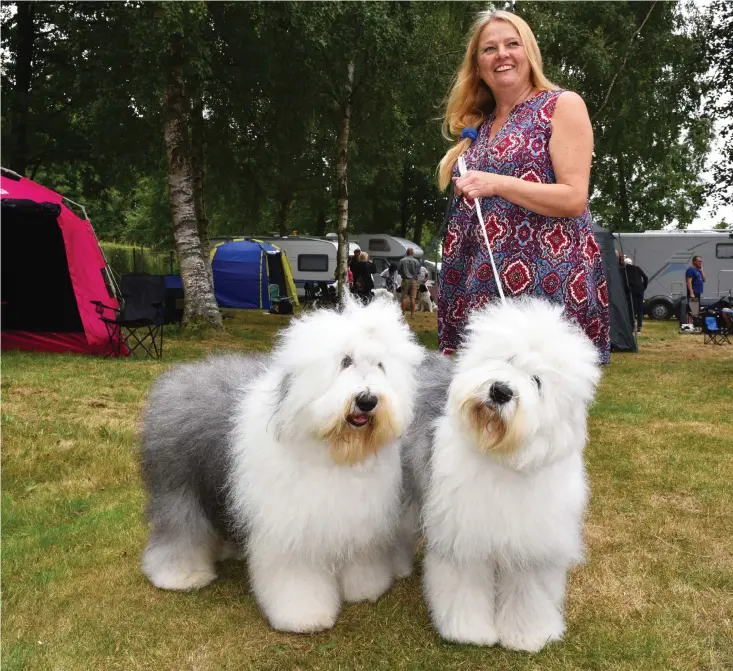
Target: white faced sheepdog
x=500 y=476
x=292 y=458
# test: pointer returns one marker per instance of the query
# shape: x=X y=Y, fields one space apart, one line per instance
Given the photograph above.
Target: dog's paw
x=182 y=581
x=365 y=583
x=530 y=641
x=474 y=632
x=303 y=622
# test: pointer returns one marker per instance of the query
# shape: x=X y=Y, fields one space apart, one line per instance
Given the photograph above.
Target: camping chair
x=712 y=331
x=138 y=324
x=279 y=304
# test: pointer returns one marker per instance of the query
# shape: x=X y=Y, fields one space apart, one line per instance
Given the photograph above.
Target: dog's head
x=348 y=378
x=523 y=382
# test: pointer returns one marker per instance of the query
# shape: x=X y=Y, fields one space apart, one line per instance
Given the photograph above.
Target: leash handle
x=462 y=169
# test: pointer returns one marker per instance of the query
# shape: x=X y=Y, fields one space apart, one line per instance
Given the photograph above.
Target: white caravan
x=311 y=259
x=665 y=256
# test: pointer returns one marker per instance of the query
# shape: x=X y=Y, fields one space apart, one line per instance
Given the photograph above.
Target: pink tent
x=52 y=268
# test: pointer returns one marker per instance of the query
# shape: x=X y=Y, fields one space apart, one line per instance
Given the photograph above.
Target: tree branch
x=626 y=57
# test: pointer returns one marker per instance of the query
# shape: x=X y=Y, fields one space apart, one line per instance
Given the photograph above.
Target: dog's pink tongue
x=359 y=420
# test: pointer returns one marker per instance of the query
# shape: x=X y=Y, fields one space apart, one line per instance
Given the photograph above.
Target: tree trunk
x=419 y=221
x=625 y=223
x=405 y=204
x=25 y=36
x=283 y=215
x=321 y=223
x=200 y=305
x=197 y=166
x=342 y=186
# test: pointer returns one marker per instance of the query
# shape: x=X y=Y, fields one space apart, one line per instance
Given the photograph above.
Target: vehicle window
x=316 y=263
x=378 y=245
x=724 y=250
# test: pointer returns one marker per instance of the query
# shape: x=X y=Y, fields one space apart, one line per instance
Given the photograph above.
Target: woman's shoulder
x=562 y=105
x=567 y=101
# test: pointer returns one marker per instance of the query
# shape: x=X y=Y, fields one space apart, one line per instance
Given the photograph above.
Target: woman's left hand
x=478 y=184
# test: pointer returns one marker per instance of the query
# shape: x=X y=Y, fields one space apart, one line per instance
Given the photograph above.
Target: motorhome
x=665 y=256
x=384 y=249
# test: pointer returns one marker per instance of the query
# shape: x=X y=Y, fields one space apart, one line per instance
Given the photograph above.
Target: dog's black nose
x=500 y=393
x=366 y=402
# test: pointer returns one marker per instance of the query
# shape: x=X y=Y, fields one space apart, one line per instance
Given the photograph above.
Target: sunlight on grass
x=655 y=594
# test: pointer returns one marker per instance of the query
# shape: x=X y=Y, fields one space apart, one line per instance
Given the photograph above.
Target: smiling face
x=502 y=59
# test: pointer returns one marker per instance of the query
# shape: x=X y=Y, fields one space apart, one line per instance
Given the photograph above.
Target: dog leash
x=462 y=169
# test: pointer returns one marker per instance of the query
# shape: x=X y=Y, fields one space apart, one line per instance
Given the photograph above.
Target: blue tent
x=243 y=270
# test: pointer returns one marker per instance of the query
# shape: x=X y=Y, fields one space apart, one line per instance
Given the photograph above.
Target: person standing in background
x=409 y=270
x=638 y=282
x=695 y=279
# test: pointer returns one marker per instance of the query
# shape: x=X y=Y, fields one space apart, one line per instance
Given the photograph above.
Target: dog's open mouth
x=358 y=420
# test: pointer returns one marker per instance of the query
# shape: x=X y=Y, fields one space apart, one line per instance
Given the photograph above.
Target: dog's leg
x=182 y=548
x=461 y=599
x=294 y=595
x=530 y=607
x=403 y=552
x=367 y=576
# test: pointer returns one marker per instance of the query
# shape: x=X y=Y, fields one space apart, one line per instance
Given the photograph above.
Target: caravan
x=665 y=256
x=311 y=259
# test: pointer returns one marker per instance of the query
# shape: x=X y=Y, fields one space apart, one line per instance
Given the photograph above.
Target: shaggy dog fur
x=499 y=475
x=292 y=459
x=424 y=303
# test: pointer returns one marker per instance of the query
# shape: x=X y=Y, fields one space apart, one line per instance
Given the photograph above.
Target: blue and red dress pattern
x=553 y=257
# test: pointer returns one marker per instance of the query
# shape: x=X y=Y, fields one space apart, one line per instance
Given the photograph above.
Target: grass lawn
x=656 y=593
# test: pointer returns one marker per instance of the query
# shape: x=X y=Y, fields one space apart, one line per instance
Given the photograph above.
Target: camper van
x=384 y=249
x=311 y=259
x=665 y=256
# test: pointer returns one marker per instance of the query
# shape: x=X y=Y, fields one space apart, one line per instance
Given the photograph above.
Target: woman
x=363 y=282
x=528 y=147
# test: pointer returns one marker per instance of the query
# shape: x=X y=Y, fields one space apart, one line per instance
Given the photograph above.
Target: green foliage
x=720 y=54
x=131 y=259
x=639 y=69
x=271 y=77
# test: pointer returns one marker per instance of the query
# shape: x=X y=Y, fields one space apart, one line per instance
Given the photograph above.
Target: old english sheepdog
x=292 y=460
x=499 y=474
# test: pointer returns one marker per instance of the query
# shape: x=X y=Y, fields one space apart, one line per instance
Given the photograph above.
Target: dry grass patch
x=656 y=592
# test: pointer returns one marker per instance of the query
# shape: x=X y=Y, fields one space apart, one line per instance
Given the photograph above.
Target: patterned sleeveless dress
x=553 y=257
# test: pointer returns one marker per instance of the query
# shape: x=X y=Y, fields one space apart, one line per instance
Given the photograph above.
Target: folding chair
x=712 y=332
x=279 y=304
x=138 y=324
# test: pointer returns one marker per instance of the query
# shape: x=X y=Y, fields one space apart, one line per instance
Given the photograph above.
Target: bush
x=126 y=259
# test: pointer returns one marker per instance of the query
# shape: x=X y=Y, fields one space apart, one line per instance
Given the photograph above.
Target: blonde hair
x=470 y=101
x=363 y=256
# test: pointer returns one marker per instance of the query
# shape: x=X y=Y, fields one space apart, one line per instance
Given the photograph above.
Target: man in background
x=638 y=282
x=409 y=269
x=695 y=279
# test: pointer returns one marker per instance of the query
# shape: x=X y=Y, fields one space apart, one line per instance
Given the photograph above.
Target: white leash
x=462 y=170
